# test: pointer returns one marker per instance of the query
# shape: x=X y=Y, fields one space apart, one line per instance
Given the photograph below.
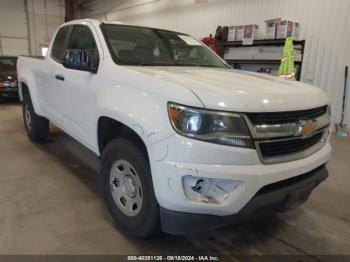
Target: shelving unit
x=250 y=59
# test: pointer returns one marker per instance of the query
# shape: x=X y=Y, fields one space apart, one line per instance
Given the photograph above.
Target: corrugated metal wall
x=44 y=16
x=13 y=29
x=324 y=25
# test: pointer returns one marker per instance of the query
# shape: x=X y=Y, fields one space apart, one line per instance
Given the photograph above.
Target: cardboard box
x=251 y=32
x=239 y=32
x=231 y=33
x=286 y=29
x=271 y=28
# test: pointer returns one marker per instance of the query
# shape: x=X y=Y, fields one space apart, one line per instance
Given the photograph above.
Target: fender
x=150 y=132
x=32 y=87
x=140 y=105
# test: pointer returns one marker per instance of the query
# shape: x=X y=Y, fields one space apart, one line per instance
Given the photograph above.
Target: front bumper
x=280 y=196
x=176 y=157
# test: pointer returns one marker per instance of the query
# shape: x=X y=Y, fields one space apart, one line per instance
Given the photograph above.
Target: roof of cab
x=92 y=21
x=97 y=23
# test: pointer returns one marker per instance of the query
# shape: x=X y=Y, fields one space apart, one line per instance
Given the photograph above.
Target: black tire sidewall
x=146 y=222
x=27 y=102
x=40 y=126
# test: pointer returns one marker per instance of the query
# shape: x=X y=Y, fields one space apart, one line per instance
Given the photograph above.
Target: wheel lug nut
x=116 y=182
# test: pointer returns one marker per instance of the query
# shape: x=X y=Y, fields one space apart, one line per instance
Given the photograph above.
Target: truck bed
x=32 y=70
x=34 y=56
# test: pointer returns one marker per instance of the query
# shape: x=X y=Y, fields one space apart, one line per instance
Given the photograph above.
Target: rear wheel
x=37 y=127
x=128 y=189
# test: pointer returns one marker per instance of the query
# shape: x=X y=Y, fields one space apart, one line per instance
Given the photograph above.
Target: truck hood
x=234 y=90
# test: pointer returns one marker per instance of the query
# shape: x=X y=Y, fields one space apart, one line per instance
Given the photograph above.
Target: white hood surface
x=240 y=91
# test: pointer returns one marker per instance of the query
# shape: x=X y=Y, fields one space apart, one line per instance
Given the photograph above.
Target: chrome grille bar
x=289 y=129
x=269 y=135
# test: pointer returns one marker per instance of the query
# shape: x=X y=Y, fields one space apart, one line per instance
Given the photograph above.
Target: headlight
x=211 y=126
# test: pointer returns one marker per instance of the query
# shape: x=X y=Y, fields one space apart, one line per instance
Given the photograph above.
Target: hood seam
x=200 y=100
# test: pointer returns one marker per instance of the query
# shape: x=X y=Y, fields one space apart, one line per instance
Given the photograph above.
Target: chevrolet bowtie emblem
x=307 y=128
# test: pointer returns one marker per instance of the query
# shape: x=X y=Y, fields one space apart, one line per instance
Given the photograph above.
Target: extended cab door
x=76 y=88
x=53 y=95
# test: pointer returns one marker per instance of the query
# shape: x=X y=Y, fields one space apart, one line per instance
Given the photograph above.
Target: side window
x=58 y=46
x=82 y=38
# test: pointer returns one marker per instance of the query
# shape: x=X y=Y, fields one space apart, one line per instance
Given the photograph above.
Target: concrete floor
x=50 y=204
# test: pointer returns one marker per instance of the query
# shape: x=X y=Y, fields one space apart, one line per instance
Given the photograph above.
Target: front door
x=53 y=97
x=77 y=88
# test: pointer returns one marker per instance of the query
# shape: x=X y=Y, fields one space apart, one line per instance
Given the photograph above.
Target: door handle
x=59 y=77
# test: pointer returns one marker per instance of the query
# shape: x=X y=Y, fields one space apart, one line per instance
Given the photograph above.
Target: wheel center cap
x=129 y=186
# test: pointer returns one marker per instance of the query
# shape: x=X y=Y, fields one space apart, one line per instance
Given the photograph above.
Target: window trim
x=114 y=57
x=67 y=40
x=93 y=38
x=70 y=27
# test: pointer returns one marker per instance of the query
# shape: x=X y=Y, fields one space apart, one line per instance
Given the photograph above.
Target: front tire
x=37 y=127
x=128 y=189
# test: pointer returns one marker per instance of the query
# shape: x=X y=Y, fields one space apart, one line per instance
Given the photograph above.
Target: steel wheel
x=126 y=188
x=28 y=118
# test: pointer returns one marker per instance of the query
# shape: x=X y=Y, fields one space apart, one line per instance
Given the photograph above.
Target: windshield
x=8 y=63
x=131 y=45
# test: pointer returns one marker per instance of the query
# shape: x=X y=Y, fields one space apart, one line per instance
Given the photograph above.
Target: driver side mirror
x=77 y=59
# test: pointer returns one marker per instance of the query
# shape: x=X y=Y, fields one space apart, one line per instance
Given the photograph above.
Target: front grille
x=286 y=117
x=278 y=148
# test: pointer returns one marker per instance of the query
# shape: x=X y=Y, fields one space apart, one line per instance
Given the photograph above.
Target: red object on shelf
x=211 y=42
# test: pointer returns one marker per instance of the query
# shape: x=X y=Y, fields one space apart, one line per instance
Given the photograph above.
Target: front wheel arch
x=109 y=129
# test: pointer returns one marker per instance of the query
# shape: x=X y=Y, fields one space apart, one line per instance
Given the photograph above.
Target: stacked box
x=286 y=29
x=271 y=28
x=231 y=33
x=251 y=32
x=239 y=32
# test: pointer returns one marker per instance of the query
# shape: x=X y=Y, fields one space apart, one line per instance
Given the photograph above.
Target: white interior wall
x=13 y=29
x=44 y=17
x=324 y=25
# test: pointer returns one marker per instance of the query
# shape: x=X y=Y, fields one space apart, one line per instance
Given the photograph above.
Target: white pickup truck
x=185 y=142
